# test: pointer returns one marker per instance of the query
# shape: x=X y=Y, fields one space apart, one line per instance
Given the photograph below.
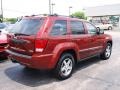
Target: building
x=103 y=12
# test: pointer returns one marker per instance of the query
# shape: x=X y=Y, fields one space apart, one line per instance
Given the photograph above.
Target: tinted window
x=27 y=26
x=59 y=27
x=77 y=27
x=91 y=29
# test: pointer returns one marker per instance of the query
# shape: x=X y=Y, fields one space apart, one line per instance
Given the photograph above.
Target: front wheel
x=65 y=66
x=107 y=52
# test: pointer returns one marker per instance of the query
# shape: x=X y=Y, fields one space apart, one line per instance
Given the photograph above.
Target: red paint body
x=55 y=45
x=3 y=44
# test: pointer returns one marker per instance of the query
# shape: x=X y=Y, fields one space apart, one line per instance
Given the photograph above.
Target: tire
x=65 y=66
x=98 y=28
x=110 y=28
x=107 y=52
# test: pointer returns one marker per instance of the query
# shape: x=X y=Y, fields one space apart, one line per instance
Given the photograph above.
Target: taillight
x=40 y=45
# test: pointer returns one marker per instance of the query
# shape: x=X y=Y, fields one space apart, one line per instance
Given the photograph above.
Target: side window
x=59 y=28
x=91 y=29
x=77 y=27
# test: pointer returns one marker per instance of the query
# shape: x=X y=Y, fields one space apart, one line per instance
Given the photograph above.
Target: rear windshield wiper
x=17 y=34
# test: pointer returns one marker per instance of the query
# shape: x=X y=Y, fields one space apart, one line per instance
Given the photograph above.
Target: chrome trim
x=15 y=48
x=91 y=56
x=93 y=48
x=46 y=55
x=19 y=55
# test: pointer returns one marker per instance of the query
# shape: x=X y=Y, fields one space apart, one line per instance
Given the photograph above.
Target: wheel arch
x=71 y=51
x=110 y=41
x=64 y=48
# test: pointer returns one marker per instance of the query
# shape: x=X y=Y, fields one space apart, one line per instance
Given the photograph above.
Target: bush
x=11 y=20
x=79 y=15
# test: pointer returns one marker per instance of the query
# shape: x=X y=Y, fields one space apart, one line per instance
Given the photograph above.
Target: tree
x=11 y=20
x=80 y=15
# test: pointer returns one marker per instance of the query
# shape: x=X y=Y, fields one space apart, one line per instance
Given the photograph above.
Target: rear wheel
x=65 y=66
x=107 y=52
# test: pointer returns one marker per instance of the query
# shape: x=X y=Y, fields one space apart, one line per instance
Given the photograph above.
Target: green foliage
x=11 y=20
x=114 y=18
x=80 y=15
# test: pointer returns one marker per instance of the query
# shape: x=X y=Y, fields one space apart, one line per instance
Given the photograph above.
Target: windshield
x=27 y=26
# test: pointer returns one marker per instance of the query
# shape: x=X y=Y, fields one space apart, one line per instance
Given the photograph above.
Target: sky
x=16 y=8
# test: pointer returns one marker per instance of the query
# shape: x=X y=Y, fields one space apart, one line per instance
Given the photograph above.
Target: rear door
x=58 y=34
x=22 y=36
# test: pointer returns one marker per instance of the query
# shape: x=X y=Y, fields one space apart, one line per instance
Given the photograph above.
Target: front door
x=95 y=39
x=80 y=38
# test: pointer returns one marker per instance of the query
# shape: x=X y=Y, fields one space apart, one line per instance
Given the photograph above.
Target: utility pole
x=70 y=7
x=50 y=7
x=53 y=8
x=1 y=11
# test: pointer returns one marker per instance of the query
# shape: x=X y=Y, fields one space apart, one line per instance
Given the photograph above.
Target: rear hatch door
x=22 y=36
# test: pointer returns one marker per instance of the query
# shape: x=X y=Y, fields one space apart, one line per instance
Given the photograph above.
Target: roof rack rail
x=37 y=15
x=50 y=15
x=63 y=15
x=45 y=15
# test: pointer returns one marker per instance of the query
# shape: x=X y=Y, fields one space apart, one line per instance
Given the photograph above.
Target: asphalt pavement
x=93 y=74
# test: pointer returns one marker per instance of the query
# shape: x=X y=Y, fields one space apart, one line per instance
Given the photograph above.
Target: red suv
x=56 y=42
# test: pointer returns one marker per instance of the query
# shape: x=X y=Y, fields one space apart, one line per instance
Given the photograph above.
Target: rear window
x=77 y=27
x=27 y=26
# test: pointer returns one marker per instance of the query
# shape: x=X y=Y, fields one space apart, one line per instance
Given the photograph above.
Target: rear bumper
x=19 y=55
x=35 y=61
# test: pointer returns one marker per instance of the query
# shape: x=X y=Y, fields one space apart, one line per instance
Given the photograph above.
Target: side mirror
x=100 y=31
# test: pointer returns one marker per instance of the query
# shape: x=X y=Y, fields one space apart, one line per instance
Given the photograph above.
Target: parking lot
x=93 y=74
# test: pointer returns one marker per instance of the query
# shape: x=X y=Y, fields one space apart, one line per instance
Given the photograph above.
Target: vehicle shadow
x=86 y=63
x=34 y=78
x=29 y=77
